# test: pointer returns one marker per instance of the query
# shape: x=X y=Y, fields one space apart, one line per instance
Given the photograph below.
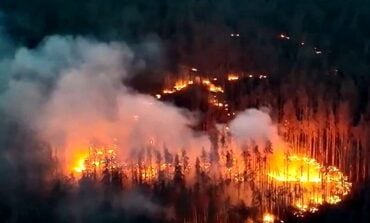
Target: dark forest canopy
x=195 y=30
x=324 y=95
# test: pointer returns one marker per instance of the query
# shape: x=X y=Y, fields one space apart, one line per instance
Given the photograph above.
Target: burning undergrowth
x=71 y=92
x=68 y=93
x=133 y=157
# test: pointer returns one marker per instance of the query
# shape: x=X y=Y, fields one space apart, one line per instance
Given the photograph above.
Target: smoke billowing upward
x=70 y=92
x=77 y=73
x=253 y=124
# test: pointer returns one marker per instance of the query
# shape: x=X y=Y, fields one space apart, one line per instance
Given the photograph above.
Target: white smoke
x=71 y=92
x=253 y=124
x=256 y=127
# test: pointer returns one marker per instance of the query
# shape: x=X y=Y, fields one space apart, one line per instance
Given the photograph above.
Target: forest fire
x=283 y=180
x=96 y=160
x=268 y=218
x=185 y=82
x=155 y=111
x=232 y=77
x=273 y=180
x=310 y=183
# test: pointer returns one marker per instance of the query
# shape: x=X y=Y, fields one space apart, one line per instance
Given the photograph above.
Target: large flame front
x=291 y=180
x=308 y=183
x=97 y=159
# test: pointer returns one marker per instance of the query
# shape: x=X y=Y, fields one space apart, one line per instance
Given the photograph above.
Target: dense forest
x=328 y=120
x=316 y=55
x=196 y=30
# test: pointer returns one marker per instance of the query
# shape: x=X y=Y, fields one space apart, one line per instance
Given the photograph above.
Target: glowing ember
x=166 y=91
x=284 y=36
x=212 y=87
x=262 y=76
x=181 y=84
x=206 y=82
x=232 y=77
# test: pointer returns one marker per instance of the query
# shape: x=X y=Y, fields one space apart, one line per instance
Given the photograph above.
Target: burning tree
x=257 y=176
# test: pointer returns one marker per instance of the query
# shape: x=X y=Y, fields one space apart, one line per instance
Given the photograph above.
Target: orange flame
x=232 y=77
x=317 y=184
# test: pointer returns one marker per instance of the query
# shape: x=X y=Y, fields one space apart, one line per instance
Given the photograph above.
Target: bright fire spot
x=206 y=82
x=158 y=96
x=232 y=77
x=262 y=76
x=311 y=184
x=80 y=166
x=181 y=84
x=284 y=36
x=166 y=91
x=215 y=89
x=212 y=87
x=97 y=159
x=268 y=218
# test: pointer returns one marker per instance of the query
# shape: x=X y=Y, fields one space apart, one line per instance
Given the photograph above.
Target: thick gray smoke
x=67 y=93
x=70 y=91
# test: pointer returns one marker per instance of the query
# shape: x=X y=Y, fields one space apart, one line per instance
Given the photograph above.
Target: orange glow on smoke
x=97 y=158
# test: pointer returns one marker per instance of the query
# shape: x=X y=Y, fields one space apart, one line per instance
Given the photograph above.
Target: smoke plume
x=254 y=126
x=70 y=91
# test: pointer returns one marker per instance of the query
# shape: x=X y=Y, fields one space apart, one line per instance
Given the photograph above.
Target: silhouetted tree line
x=34 y=190
x=327 y=118
x=321 y=101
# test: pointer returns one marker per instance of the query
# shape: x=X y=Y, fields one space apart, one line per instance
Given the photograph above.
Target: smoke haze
x=70 y=91
x=74 y=73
